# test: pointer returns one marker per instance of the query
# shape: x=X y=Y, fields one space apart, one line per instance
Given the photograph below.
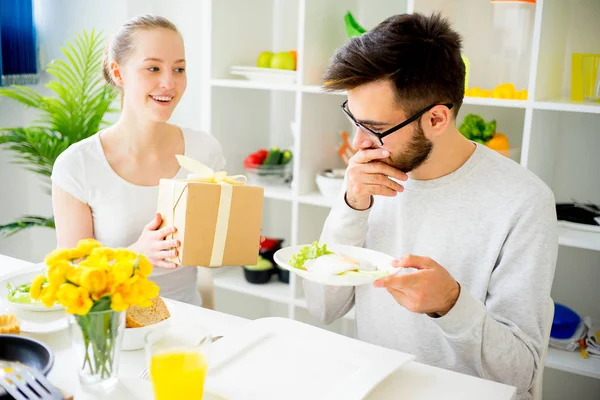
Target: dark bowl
x=258 y=277
x=27 y=351
x=283 y=275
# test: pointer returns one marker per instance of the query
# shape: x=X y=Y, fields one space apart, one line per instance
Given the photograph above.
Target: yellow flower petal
x=74 y=275
x=122 y=270
x=149 y=289
x=66 y=294
x=82 y=304
x=57 y=272
x=57 y=255
x=117 y=303
x=75 y=299
x=144 y=266
x=94 y=281
x=85 y=246
x=36 y=286
x=125 y=254
x=48 y=296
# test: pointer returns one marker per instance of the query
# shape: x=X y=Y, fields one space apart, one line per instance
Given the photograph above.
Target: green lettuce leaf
x=308 y=252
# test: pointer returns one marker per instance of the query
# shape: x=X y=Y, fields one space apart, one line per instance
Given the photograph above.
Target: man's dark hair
x=419 y=54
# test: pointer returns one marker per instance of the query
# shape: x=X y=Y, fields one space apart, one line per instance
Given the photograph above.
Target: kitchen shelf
x=232 y=278
x=571 y=361
x=556 y=136
x=315 y=199
x=319 y=89
x=278 y=192
x=483 y=101
x=488 y=101
x=578 y=238
x=246 y=84
x=566 y=105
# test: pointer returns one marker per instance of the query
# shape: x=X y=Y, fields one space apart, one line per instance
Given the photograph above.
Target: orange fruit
x=294 y=54
x=499 y=142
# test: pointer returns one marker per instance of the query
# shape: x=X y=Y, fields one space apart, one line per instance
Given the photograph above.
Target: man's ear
x=116 y=74
x=439 y=119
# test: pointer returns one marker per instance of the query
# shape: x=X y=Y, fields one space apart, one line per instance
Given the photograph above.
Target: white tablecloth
x=412 y=381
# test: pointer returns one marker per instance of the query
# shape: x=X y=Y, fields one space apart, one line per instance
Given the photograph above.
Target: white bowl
x=133 y=338
x=330 y=183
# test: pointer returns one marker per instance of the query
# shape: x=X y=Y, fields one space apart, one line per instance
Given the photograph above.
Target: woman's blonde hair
x=122 y=43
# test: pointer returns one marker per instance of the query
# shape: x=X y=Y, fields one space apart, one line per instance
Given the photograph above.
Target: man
x=473 y=231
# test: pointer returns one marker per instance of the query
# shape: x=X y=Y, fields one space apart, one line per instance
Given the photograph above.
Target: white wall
x=60 y=21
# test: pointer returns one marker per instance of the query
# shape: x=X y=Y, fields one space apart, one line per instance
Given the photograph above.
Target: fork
x=145 y=372
x=25 y=383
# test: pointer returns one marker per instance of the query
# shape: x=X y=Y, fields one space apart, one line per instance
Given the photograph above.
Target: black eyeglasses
x=380 y=135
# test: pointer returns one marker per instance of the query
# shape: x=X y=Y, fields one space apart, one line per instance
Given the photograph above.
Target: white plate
x=18 y=278
x=265 y=74
x=382 y=261
x=279 y=358
x=37 y=322
x=259 y=70
x=32 y=318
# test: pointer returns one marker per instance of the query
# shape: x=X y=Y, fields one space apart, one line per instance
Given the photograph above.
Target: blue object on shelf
x=18 y=43
x=565 y=322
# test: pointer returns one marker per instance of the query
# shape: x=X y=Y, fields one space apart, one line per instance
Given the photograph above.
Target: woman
x=106 y=186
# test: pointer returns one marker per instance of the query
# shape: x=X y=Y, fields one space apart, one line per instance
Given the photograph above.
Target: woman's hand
x=153 y=245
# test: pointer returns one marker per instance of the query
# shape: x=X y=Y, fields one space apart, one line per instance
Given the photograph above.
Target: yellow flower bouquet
x=96 y=285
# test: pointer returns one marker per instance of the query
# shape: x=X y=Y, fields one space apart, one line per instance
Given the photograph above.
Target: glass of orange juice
x=176 y=363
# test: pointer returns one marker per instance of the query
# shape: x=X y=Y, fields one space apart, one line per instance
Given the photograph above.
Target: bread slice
x=137 y=317
x=9 y=324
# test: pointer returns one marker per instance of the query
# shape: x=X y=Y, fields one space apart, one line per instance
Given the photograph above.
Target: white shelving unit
x=571 y=361
x=558 y=139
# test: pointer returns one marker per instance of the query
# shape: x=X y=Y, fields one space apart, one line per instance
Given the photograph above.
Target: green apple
x=264 y=59
x=283 y=60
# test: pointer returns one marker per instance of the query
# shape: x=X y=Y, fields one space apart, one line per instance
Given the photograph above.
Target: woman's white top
x=121 y=209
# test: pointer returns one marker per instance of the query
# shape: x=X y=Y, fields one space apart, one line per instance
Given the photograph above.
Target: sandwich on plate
x=318 y=259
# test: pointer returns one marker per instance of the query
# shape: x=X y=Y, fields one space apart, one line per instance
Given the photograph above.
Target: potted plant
x=74 y=112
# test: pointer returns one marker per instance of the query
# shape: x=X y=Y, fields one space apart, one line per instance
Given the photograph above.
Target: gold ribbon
x=202 y=173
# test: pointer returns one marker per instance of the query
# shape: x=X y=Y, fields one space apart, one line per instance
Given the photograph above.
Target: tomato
x=252 y=161
x=255 y=159
x=269 y=244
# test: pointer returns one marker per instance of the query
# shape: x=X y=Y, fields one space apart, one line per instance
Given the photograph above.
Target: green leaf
x=76 y=109
x=353 y=28
x=101 y=305
x=25 y=222
x=475 y=128
x=308 y=252
x=23 y=95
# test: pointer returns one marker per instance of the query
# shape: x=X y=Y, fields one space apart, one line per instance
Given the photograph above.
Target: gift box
x=218 y=217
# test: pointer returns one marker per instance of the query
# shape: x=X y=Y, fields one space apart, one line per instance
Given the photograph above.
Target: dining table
x=412 y=380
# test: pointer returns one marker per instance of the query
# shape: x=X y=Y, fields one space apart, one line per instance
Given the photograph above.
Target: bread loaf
x=137 y=317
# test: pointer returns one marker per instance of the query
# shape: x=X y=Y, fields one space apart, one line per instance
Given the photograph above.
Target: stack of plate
x=264 y=74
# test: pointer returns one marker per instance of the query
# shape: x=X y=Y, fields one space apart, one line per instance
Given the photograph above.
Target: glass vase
x=96 y=338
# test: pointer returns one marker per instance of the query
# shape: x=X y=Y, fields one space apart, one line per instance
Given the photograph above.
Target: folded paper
x=217 y=216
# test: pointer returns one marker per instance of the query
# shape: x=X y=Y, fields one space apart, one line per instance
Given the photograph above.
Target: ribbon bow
x=202 y=173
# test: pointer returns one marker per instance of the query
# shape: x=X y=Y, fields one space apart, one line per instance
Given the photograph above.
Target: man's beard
x=418 y=150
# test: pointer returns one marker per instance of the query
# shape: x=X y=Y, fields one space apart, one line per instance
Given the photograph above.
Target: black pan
x=27 y=351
